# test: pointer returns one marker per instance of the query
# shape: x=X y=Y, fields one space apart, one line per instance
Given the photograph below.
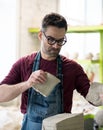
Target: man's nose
x=56 y=45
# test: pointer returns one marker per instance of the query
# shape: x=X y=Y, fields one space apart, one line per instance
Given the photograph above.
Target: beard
x=52 y=52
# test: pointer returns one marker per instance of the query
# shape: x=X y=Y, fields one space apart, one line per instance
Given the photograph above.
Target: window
x=82 y=13
x=7 y=35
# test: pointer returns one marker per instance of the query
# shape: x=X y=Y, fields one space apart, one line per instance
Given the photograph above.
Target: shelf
x=85 y=29
x=33 y=30
x=76 y=29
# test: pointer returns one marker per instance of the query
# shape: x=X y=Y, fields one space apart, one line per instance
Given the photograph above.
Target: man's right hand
x=36 y=77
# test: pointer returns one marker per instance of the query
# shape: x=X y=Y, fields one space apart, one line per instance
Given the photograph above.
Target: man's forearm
x=9 y=92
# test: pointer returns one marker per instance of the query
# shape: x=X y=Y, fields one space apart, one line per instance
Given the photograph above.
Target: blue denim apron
x=40 y=107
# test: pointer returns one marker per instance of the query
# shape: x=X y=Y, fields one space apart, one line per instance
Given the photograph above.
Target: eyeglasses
x=52 y=41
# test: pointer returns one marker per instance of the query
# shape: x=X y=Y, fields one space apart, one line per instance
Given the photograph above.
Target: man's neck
x=47 y=57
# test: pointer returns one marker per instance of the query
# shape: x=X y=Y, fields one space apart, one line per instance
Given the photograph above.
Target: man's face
x=50 y=40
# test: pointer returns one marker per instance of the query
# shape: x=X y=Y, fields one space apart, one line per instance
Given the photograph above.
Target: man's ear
x=40 y=35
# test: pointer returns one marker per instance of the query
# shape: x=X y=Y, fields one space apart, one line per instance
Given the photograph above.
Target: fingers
x=37 y=77
x=40 y=76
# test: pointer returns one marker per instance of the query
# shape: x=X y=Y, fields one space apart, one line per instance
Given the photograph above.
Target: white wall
x=30 y=15
x=7 y=35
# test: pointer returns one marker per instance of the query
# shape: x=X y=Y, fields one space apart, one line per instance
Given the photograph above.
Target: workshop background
x=17 y=20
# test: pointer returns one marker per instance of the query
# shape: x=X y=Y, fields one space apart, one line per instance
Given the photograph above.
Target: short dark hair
x=54 y=19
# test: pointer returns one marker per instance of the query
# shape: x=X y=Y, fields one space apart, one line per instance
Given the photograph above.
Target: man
x=32 y=70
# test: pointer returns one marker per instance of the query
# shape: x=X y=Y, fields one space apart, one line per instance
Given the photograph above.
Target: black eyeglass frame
x=52 y=41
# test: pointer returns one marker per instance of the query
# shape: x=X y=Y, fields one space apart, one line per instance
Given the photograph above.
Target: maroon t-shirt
x=73 y=77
